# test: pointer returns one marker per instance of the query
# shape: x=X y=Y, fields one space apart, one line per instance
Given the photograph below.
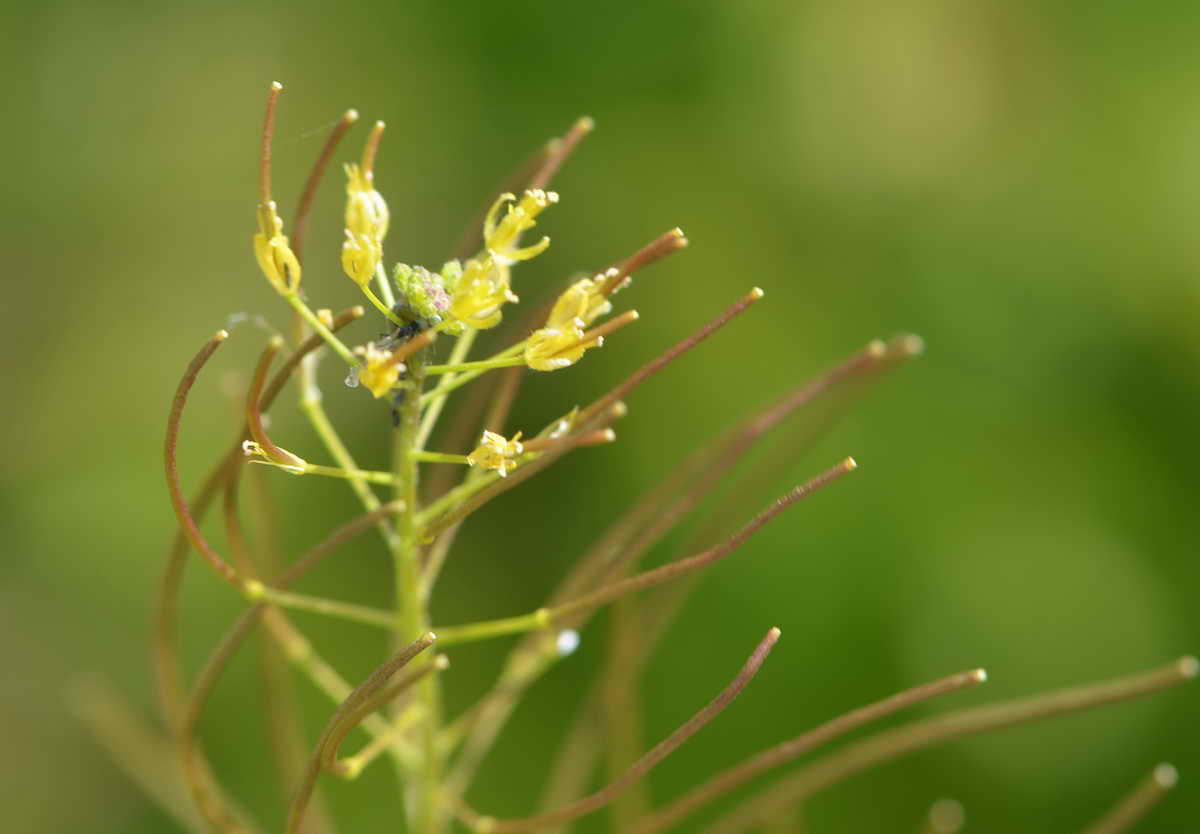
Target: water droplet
x=352 y=378
x=568 y=641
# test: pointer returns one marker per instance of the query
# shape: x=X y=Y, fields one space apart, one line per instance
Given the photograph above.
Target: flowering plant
x=399 y=706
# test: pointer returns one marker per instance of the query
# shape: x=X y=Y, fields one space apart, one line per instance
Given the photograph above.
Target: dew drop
x=568 y=641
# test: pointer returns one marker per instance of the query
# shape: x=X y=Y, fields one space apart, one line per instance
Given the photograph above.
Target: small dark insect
x=398 y=336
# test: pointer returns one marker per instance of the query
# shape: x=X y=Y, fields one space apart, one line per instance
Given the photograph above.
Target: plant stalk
x=422 y=784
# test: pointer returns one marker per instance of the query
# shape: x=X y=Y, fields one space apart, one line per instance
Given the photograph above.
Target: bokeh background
x=1018 y=182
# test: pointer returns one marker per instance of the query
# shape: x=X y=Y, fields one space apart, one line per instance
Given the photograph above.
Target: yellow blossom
x=366 y=212
x=563 y=342
x=579 y=306
x=552 y=348
x=285 y=460
x=380 y=372
x=496 y=452
x=361 y=256
x=275 y=257
x=502 y=235
x=483 y=287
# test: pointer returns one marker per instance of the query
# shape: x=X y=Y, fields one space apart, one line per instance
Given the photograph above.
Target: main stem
x=422 y=785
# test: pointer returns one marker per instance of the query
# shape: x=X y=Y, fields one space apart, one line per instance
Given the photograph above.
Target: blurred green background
x=1018 y=182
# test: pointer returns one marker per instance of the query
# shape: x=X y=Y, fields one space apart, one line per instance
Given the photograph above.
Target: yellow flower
x=286 y=461
x=560 y=343
x=496 y=452
x=479 y=293
x=361 y=256
x=381 y=371
x=501 y=236
x=563 y=342
x=275 y=257
x=552 y=348
x=366 y=212
x=579 y=306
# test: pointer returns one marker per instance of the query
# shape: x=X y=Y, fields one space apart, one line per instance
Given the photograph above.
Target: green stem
x=481 y=365
x=311 y=405
x=324 y=332
x=324 y=677
x=422 y=787
x=450 y=635
x=385 y=478
x=352 y=766
x=438 y=394
x=256 y=591
x=455 y=497
x=461 y=348
x=381 y=307
x=385 y=286
x=441 y=457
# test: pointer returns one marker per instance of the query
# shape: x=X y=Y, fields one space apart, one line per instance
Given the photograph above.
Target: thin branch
x=462 y=347
x=281 y=377
x=342 y=717
x=639 y=769
x=350 y=767
x=591 y=417
x=695 y=477
x=892 y=744
x=422 y=340
x=660 y=508
x=169 y=675
x=657 y=249
x=558 y=615
x=139 y=750
x=624 y=720
x=284 y=723
x=254 y=422
x=1137 y=803
x=599 y=437
x=609 y=327
x=304 y=206
x=311 y=405
x=167 y=665
x=327 y=679
x=652 y=367
x=195 y=770
x=557 y=151
x=378 y=699
x=723 y=783
x=576 y=759
x=536 y=171
x=464 y=499
x=208 y=795
x=526 y=664
x=236 y=635
x=188 y=740
x=268 y=134
x=371 y=148
x=512 y=378
x=680 y=567
x=305 y=468
x=186 y=521
x=349 y=611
